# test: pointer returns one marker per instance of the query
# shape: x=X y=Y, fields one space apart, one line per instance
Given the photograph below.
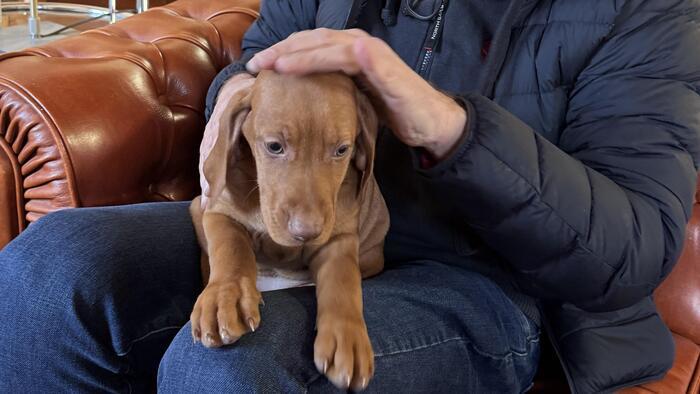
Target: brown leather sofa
x=115 y=115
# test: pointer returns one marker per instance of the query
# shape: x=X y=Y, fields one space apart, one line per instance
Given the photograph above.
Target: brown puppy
x=291 y=188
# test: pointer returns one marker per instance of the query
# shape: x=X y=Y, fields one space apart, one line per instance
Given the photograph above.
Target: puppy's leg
x=342 y=350
x=196 y=213
x=372 y=261
x=228 y=306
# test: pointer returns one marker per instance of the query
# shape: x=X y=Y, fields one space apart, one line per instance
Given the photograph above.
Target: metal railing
x=33 y=7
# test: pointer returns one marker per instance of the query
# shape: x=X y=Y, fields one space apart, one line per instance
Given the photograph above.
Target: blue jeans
x=98 y=299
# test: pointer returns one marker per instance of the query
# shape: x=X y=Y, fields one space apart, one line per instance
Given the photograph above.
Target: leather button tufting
x=114 y=115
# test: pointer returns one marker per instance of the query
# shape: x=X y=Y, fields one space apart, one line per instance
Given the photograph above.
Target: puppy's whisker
x=251 y=192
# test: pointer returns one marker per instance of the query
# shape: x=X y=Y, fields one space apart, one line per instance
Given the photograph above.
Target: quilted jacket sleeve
x=599 y=220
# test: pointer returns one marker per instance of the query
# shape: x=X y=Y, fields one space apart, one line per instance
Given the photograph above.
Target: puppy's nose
x=304 y=230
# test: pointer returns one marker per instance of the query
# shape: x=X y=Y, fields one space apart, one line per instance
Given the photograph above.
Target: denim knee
x=277 y=357
x=248 y=366
x=47 y=319
x=58 y=269
x=96 y=294
x=102 y=261
x=59 y=255
x=48 y=258
x=89 y=248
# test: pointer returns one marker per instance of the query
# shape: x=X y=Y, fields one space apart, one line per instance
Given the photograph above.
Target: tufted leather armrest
x=113 y=115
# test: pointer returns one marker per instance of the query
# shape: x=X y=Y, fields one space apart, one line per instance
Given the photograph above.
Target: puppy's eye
x=342 y=150
x=274 y=148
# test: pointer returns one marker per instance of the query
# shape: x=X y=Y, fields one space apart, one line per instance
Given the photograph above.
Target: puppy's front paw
x=343 y=353
x=225 y=311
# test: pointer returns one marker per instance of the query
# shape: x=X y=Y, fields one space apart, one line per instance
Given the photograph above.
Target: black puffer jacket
x=577 y=176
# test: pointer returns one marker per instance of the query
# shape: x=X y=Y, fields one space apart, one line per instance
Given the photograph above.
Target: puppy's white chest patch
x=273 y=279
x=279 y=267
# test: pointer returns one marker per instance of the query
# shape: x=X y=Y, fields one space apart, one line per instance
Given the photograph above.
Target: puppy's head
x=304 y=133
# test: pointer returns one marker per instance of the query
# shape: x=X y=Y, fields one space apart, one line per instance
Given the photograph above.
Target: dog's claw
x=347 y=381
x=251 y=324
x=210 y=338
x=325 y=367
x=363 y=383
x=225 y=337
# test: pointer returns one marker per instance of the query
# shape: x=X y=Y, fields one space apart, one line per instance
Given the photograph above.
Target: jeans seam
x=509 y=354
x=141 y=338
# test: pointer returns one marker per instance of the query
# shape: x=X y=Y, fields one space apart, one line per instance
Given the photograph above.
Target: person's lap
x=433 y=328
x=90 y=296
x=96 y=295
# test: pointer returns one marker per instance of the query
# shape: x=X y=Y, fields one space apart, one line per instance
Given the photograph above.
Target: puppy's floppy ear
x=366 y=138
x=226 y=148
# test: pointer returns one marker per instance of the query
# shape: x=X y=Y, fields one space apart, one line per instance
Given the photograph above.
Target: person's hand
x=419 y=115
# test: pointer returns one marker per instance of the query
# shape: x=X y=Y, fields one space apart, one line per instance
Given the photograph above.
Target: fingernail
x=252 y=66
x=251 y=324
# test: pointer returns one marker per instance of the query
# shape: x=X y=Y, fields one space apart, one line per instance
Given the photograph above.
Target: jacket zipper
x=432 y=42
